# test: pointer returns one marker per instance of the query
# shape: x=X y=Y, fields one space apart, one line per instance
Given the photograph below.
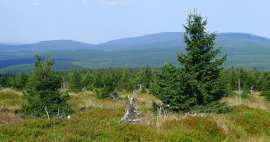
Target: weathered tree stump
x=132 y=115
x=251 y=91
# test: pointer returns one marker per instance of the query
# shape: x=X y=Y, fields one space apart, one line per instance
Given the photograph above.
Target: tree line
x=107 y=81
x=131 y=79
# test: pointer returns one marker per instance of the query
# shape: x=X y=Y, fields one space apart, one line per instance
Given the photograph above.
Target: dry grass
x=258 y=139
x=222 y=122
x=255 y=101
x=7 y=117
x=87 y=99
x=225 y=123
x=144 y=103
x=248 y=122
x=10 y=101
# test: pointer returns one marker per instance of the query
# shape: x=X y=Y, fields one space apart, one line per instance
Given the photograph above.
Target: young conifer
x=197 y=85
x=42 y=96
x=201 y=64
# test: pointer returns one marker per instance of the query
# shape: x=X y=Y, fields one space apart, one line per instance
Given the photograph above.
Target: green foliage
x=103 y=93
x=225 y=78
x=251 y=121
x=18 y=81
x=199 y=82
x=100 y=122
x=130 y=79
x=97 y=124
x=75 y=83
x=200 y=63
x=245 y=93
x=103 y=125
x=42 y=92
x=266 y=93
x=144 y=77
x=13 y=81
x=167 y=86
x=106 y=81
x=266 y=86
x=106 y=85
x=215 y=107
x=155 y=107
x=249 y=79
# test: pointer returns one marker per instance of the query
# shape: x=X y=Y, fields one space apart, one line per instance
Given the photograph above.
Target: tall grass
x=100 y=122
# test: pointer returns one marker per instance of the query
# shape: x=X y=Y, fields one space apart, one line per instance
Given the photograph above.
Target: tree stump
x=132 y=115
x=251 y=91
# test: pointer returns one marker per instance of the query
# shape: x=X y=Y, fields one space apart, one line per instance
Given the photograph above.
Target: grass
x=253 y=101
x=98 y=121
x=10 y=99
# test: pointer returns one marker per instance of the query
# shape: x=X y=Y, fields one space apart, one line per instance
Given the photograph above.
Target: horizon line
x=120 y=38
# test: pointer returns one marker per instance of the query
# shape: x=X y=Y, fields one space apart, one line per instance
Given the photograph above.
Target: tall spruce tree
x=201 y=64
x=197 y=84
x=42 y=94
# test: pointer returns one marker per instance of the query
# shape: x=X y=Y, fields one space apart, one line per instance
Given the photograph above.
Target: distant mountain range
x=243 y=50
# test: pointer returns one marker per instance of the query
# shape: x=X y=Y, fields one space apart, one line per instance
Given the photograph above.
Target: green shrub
x=42 y=94
x=105 y=93
x=266 y=93
x=245 y=94
x=215 y=107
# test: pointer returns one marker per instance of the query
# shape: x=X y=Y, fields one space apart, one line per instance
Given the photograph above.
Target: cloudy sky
x=96 y=21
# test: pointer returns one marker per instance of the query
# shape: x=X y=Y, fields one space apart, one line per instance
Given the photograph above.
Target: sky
x=97 y=21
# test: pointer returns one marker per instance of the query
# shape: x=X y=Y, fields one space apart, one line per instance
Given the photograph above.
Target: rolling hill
x=243 y=50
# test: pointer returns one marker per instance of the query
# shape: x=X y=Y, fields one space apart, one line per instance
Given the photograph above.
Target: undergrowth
x=100 y=122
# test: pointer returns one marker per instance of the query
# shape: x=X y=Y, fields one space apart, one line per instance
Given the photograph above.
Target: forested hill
x=243 y=50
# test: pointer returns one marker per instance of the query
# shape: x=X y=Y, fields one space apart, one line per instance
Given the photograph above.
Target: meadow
x=99 y=120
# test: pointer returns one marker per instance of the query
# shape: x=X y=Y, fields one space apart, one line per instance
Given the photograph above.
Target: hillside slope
x=243 y=50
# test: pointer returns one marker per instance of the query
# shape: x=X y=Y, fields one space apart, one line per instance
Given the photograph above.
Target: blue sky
x=96 y=21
